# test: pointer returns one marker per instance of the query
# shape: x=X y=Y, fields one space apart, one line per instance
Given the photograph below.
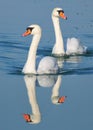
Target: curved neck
x=55 y=90
x=58 y=35
x=30 y=85
x=30 y=66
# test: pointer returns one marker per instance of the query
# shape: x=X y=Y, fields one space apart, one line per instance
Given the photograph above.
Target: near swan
x=47 y=65
x=73 y=44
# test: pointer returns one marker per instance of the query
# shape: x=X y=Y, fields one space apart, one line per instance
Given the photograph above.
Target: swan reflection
x=30 y=82
x=55 y=98
x=43 y=81
x=74 y=59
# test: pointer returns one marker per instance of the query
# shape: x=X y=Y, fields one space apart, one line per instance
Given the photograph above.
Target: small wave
x=44 y=51
x=13 y=54
x=89 y=35
x=79 y=71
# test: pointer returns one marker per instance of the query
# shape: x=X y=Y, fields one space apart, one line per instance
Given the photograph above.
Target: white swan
x=47 y=64
x=73 y=45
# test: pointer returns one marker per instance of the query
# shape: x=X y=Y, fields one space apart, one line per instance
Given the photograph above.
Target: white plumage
x=47 y=64
x=74 y=45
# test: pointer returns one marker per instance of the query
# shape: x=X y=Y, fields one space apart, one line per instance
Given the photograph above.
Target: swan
x=47 y=64
x=73 y=44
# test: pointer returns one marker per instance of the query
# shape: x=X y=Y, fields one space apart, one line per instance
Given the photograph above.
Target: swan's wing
x=74 y=46
x=47 y=65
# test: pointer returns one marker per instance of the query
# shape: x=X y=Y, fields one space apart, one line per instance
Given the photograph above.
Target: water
x=74 y=80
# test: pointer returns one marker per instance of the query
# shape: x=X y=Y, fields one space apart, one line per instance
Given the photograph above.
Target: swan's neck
x=59 y=45
x=30 y=84
x=30 y=66
x=55 y=90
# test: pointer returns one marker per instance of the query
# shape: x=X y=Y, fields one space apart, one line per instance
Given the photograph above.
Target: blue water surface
x=76 y=74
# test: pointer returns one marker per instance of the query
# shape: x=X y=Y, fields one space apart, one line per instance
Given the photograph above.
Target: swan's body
x=47 y=64
x=73 y=45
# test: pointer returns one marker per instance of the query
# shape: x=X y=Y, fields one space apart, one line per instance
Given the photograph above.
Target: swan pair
x=49 y=64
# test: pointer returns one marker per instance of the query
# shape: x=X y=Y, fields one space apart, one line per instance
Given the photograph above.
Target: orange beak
x=62 y=99
x=28 y=32
x=27 y=117
x=62 y=15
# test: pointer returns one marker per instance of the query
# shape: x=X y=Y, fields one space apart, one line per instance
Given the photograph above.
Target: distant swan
x=73 y=44
x=47 y=64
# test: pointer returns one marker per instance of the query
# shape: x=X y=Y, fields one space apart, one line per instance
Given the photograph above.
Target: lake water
x=75 y=80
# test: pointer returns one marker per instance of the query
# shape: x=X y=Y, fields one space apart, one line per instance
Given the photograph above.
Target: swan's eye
x=60 y=11
x=31 y=28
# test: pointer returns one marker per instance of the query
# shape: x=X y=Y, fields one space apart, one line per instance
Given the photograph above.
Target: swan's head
x=32 y=29
x=58 y=100
x=58 y=12
x=32 y=119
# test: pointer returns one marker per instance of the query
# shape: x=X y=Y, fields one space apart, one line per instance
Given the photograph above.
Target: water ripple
x=13 y=55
